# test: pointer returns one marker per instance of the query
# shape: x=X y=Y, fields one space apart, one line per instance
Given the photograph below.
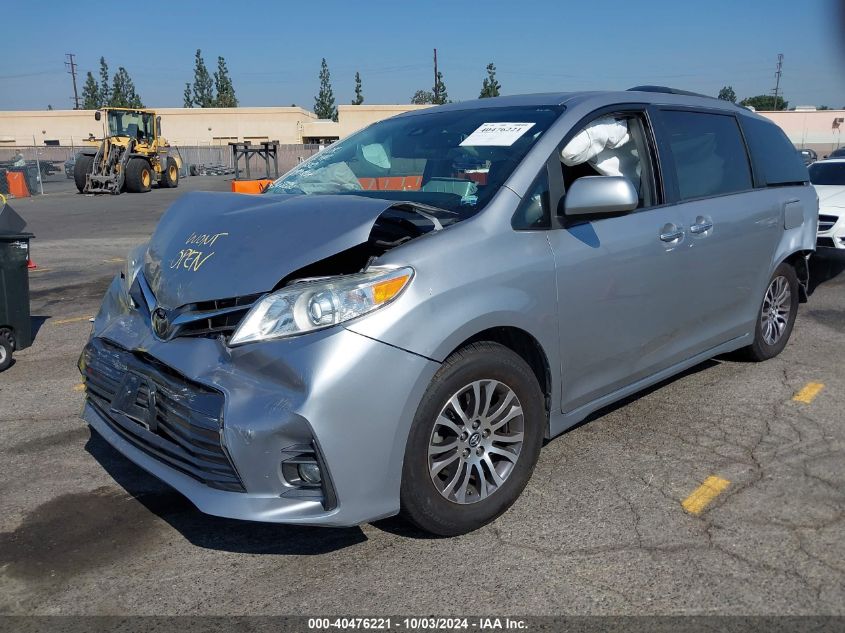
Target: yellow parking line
x=39 y=270
x=73 y=320
x=809 y=392
x=79 y=387
x=704 y=494
x=114 y=260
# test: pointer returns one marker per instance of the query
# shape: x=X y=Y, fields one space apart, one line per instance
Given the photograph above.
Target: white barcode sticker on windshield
x=499 y=134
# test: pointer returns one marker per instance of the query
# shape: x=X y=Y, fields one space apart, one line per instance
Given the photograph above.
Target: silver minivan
x=398 y=322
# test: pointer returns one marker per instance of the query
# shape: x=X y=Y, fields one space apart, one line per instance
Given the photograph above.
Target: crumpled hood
x=223 y=245
x=831 y=195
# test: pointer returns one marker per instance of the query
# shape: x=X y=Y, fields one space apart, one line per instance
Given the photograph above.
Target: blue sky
x=273 y=49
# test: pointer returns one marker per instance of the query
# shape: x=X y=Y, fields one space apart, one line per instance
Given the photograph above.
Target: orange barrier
x=17 y=184
x=251 y=186
x=391 y=183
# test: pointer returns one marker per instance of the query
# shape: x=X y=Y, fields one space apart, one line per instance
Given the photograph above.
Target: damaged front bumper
x=228 y=426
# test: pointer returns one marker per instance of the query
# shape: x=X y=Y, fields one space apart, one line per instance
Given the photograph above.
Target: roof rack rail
x=667 y=90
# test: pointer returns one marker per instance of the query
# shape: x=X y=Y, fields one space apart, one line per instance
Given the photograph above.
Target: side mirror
x=158 y=124
x=97 y=116
x=598 y=195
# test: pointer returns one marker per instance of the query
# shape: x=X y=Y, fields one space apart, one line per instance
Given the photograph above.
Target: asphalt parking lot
x=614 y=521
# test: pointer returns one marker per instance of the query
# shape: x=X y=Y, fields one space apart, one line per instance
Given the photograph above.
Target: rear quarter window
x=774 y=156
x=708 y=154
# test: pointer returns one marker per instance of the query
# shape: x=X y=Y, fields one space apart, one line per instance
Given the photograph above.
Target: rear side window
x=774 y=155
x=708 y=153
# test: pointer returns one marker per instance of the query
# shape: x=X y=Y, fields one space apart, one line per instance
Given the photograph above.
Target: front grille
x=172 y=419
x=219 y=317
x=826 y=222
x=825 y=242
x=204 y=319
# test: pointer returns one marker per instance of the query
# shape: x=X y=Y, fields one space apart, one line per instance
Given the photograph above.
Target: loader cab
x=133 y=124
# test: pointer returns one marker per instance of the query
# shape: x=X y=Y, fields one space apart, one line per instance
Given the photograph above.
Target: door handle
x=700 y=227
x=670 y=233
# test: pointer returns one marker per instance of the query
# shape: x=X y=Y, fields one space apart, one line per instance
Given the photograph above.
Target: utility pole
x=778 y=73
x=436 y=83
x=71 y=68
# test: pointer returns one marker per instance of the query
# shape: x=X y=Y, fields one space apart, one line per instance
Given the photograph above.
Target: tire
x=459 y=502
x=770 y=341
x=139 y=176
x=81 y=169
x=6 y=349
x=170 y=175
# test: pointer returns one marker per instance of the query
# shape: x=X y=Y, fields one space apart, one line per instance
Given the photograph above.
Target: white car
x=828 y=177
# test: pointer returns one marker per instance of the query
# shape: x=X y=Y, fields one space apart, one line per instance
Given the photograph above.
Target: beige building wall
x=820 y=130
x=197 y=126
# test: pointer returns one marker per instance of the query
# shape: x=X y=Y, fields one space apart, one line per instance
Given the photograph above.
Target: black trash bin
x=15 y=323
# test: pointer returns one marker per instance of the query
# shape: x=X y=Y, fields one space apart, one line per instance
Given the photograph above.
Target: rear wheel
x=170 y=175
x=139 y=175
x=81 y=169
x=474 y=441
x=776 y=316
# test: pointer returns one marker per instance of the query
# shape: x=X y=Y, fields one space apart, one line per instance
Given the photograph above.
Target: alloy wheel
x=777 y=305
x=476 y=441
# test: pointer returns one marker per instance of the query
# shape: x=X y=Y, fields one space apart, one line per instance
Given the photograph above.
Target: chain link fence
x=51 y=163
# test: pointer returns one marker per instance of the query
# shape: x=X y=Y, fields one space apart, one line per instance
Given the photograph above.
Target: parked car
x=382 y=331
x=837 y=153
x=828 y=177
x=809 y=156
x=70 y=165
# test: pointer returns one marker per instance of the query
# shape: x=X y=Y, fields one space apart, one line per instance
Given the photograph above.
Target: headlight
x=134 y=263
x=314 y=305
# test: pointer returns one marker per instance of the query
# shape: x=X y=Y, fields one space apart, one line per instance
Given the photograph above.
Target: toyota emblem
x=160 y=324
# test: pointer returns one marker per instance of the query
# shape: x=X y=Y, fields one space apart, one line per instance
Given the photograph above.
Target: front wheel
x=84 y=165
x=776 y=316
x=474 y=441
x=139 y=176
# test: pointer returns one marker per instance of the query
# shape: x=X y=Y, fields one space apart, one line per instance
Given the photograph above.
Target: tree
x=223 y=85
x=324 y=106
x=123 y=94
x=203 y=96
x=823 y=107
x=765 y=102
x=105 y=89
x=90 y=93
x=727 y=94
x=490 y=87
x=359 y=95
x=49 y=106
x=422 y=97
x=187 y=101
x=440 y=96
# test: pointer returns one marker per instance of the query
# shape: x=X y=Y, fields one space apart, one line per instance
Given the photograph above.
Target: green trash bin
x=15 y=322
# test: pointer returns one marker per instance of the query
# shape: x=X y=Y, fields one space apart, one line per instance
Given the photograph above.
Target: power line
x=70 y=64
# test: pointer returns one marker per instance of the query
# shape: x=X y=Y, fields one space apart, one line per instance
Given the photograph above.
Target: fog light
x=309 y=473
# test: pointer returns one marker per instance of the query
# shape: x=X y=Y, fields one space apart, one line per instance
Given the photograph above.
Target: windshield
x=137 y=125
x=827 y=173
x=451 y=160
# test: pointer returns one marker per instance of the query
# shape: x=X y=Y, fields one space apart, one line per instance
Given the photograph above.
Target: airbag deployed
x=606 y=145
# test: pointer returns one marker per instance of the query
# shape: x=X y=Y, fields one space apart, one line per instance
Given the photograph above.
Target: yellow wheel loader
x=131 y=156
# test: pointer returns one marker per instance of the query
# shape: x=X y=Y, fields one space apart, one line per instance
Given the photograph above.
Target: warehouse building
x=198 y=126
x=820 y=130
